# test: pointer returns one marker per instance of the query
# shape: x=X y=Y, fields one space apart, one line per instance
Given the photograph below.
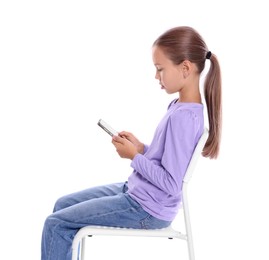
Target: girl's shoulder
x=184 y=112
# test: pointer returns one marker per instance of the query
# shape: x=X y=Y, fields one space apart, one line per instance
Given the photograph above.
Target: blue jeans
x=107 y=205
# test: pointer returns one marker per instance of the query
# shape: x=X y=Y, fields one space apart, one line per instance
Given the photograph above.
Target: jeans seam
x=143 y=222
x=52 y=240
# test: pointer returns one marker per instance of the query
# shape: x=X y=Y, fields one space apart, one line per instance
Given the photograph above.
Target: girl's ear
x=186 y=68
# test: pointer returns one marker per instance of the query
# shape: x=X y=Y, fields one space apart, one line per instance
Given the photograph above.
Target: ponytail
x=213 y=98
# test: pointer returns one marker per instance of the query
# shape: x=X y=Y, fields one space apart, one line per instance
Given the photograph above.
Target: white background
x=65 y=64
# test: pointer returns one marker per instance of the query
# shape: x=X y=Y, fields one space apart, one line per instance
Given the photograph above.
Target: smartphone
x=105 y=126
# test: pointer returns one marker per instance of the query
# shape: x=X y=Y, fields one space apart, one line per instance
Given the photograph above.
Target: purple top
x=156 y=181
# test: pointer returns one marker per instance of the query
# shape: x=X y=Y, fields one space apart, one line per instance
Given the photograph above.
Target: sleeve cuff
x=135 y=160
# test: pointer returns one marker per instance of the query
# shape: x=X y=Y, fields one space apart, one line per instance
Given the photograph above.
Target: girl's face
x=170 y=76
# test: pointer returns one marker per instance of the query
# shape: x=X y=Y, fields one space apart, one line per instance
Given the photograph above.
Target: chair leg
x=75 y=251
x=188 y=224
x=190 y=248
x=78 y=247
x=83 y=241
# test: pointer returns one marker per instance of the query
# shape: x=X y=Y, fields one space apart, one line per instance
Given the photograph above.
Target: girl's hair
x=185 y=43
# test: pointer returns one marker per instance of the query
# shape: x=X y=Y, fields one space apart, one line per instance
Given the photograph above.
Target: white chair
x=169 y=232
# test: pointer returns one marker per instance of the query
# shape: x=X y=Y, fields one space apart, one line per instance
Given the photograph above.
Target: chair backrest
x=196 y=154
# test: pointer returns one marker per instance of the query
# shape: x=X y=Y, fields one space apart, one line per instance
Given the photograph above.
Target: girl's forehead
x=158 y=55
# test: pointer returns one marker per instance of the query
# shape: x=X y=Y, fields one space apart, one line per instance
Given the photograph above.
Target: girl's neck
x=190 y=97
x=190 y=92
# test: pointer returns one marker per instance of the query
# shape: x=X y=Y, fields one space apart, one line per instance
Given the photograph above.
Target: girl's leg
x=88 y=194
x=117 y=211
x=78 y=197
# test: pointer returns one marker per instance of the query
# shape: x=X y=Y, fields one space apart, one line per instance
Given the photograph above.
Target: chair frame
x=169 y=232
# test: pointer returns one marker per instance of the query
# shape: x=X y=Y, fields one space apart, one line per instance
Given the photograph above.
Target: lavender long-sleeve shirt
x=156 y=180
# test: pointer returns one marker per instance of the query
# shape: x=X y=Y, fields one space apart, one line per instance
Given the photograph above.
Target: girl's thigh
x=89 y=194
x=117 y=211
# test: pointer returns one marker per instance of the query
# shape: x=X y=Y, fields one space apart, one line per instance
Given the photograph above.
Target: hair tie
x=208 y=55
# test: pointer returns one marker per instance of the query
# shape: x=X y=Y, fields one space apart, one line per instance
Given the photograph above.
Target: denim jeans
x=107 y=205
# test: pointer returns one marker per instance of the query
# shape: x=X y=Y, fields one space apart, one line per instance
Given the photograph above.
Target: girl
x=151 y=197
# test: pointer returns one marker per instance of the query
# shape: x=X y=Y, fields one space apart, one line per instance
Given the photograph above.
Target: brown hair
x=185 y=43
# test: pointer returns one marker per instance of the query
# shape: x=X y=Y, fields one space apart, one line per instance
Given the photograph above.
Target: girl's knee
x=61 y=203
x=50 y=222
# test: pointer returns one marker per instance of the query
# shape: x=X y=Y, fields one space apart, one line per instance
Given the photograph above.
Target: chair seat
x=168 y=232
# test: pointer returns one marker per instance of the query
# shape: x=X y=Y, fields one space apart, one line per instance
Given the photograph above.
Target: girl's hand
x=124 y=147
x=130 y=137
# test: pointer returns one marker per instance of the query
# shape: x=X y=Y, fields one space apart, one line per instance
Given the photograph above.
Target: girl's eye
x=159 y=69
